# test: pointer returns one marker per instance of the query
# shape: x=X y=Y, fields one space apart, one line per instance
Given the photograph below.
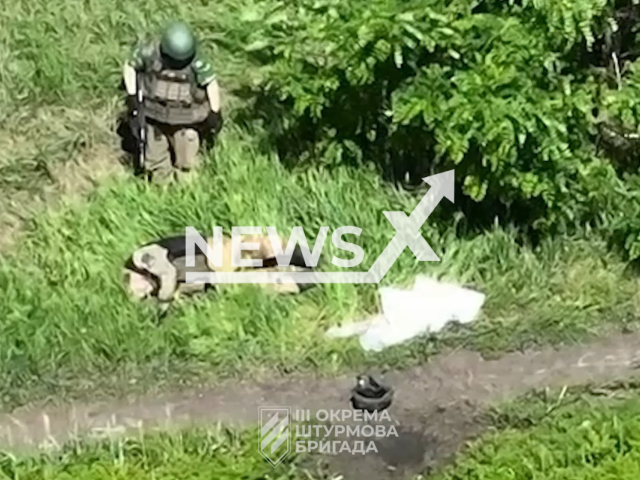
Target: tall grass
x=216 y=453
x=60 y=74
x=69 y=325
x=584 y=439
x=66 y=323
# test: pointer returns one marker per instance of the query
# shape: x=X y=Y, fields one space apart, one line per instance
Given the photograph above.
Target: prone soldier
x=159 y=268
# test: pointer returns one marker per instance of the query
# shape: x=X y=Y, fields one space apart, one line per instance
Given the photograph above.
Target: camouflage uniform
x=159 y=269
x=176 y=106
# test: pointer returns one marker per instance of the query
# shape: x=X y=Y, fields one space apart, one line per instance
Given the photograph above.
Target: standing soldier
x=181 y=101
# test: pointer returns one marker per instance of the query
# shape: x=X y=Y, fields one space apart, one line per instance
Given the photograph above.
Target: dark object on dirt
x=370 y=395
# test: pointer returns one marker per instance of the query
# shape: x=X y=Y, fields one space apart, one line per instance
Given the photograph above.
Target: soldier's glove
x=214 y=122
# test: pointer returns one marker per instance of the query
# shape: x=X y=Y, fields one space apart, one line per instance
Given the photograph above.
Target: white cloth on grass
x=406 y=314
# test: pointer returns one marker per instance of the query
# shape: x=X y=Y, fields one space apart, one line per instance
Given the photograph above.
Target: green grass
x=580 y=437
x=69 y=52
x=545 y=435
x=61 y=71
x=201 y=454
x=68 y=328
x=69 y=325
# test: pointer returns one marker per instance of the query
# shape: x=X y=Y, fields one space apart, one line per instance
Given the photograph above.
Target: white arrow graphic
x=407 y=235
x=408 y=228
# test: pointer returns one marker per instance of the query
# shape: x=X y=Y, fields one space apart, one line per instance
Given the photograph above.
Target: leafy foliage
x=499 y=91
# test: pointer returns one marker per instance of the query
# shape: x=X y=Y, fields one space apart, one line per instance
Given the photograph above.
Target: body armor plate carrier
x=173 y=97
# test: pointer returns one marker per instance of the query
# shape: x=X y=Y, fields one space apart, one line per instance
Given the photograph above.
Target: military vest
x=173 y=97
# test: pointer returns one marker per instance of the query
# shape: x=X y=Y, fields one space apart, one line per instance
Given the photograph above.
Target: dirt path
x=435 y=406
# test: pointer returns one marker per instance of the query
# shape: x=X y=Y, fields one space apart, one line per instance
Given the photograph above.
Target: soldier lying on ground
x=181 y=101
x=159 y=269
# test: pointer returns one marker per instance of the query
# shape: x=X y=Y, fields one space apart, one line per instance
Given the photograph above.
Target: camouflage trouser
x=170 y=149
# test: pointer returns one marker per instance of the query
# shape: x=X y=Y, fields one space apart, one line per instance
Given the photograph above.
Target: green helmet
x=178 y=42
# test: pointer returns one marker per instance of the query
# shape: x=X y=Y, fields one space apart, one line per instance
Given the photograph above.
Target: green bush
x=507 y=93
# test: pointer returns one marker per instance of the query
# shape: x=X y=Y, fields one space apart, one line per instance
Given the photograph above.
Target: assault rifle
x=140 y=123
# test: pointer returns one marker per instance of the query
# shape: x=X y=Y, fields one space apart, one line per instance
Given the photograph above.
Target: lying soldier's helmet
x=178 y=42
x=370 y=395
